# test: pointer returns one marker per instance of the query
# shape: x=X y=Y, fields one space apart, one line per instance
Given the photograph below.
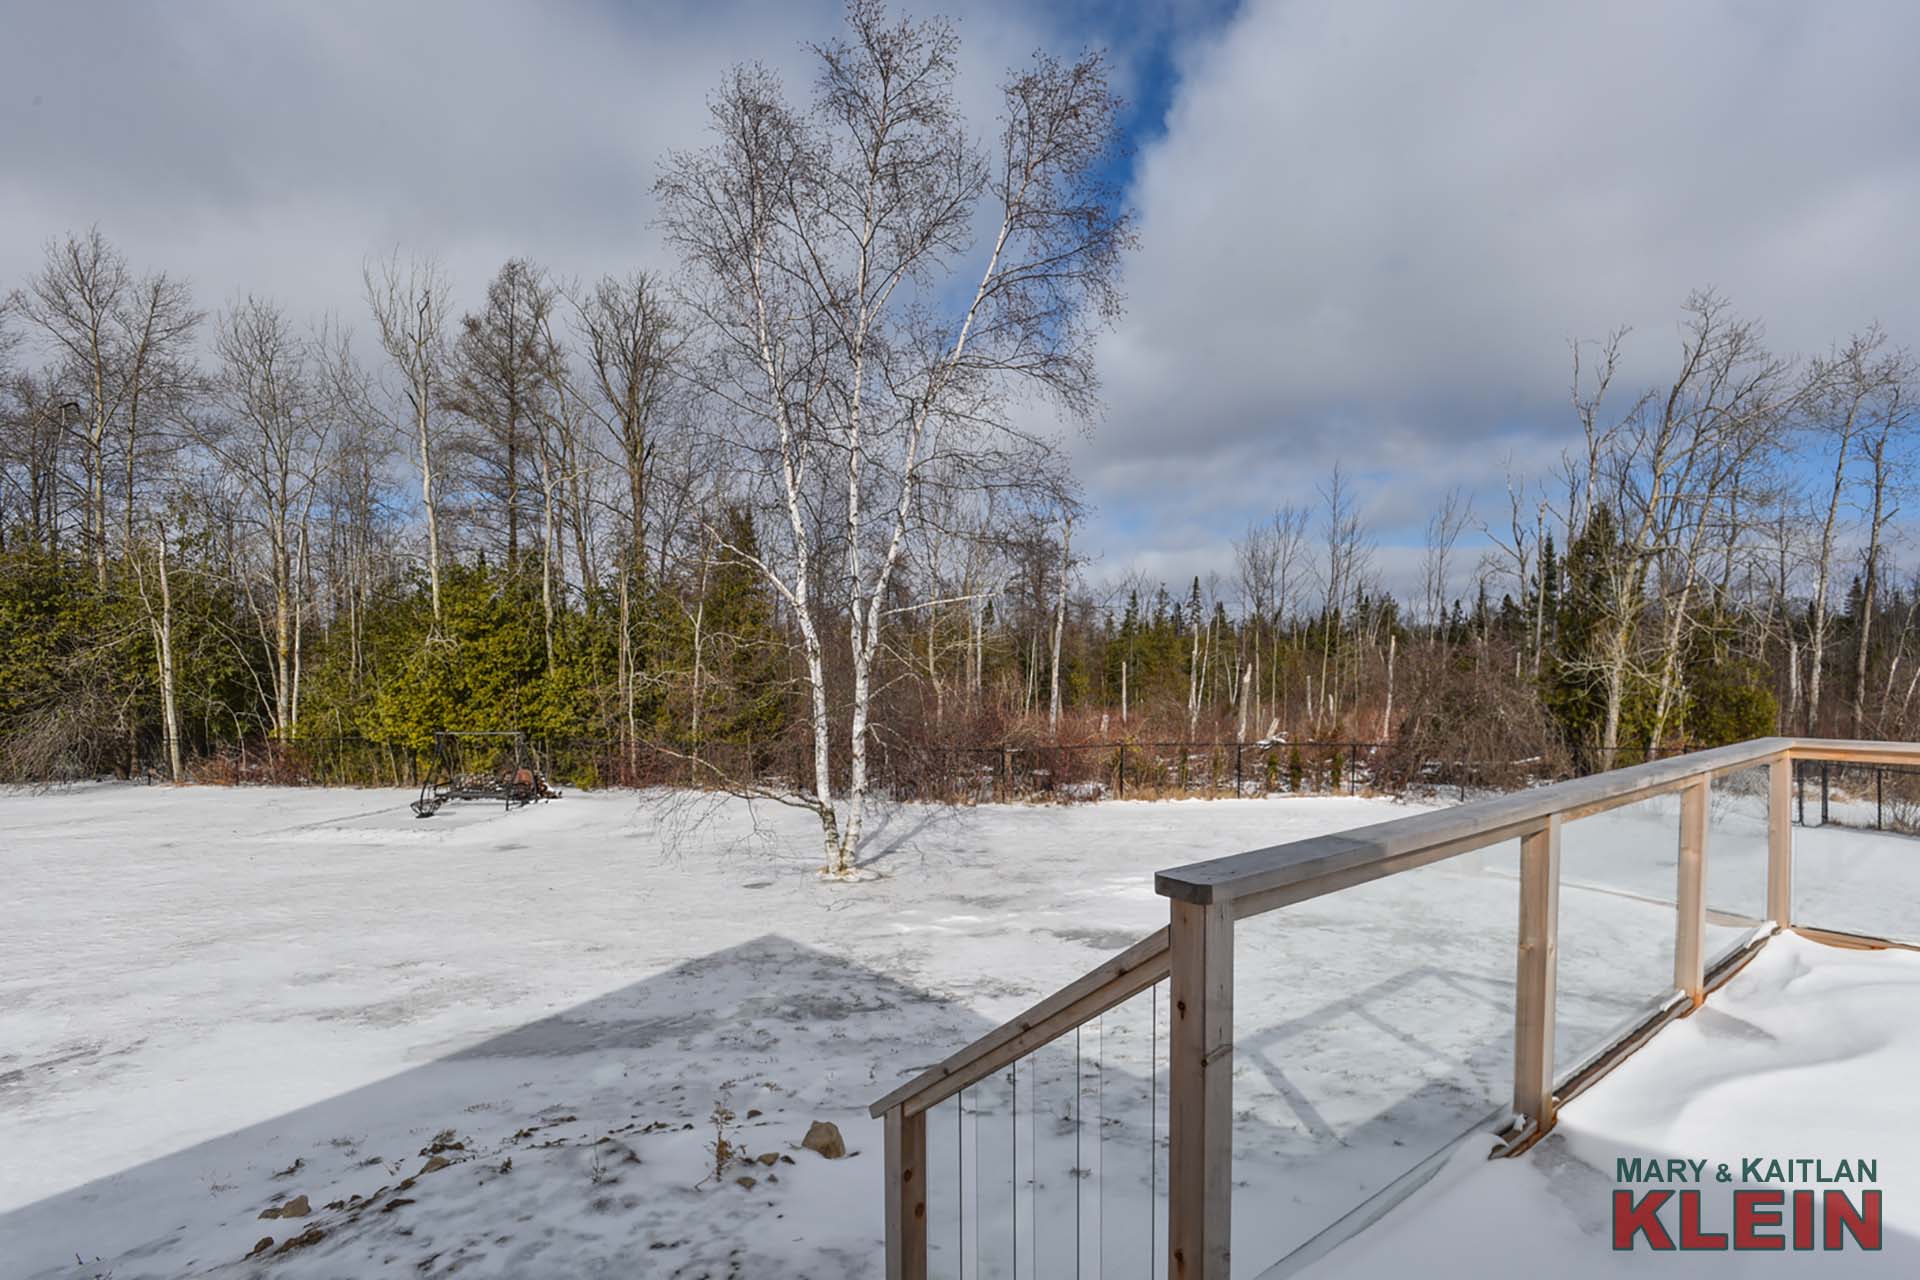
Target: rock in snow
x=824 y=1137
x=294 y=1208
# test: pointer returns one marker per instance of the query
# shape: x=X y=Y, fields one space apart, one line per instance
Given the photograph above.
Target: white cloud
x=273 y=147
x=1367 y=232
x=1370 y=230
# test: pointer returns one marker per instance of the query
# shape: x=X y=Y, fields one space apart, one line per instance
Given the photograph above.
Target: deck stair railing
x=1146 y=1188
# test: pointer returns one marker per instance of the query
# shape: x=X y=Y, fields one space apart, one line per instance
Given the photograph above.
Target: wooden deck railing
x=1195 y=954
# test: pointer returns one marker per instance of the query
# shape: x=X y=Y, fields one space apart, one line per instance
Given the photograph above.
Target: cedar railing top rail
x=1268 y=877
x=1263 y=879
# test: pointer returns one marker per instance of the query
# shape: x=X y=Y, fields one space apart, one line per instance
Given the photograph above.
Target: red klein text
x=1760 y=1220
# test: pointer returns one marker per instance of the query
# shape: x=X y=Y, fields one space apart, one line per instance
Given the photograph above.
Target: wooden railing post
x=1780 y=842
x=1689 y=943
x=906 y=1156
x=1200 y=1110
x=1536 y=974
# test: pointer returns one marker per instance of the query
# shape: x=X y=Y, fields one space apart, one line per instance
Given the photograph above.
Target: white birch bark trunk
x=1060 y=622
x=163 y=643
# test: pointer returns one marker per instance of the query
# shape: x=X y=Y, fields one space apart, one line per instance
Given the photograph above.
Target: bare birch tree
x=823 y=246
x=631 y=344
x=77 y=302
x=1662 y=472
x=1347 y=546
x=1060 y=616
x=1843 y=389
x=269 y=438
x=1444 y=527
x=157 y=324
x=156 y=601
x=1884 y=442
x=410 y=304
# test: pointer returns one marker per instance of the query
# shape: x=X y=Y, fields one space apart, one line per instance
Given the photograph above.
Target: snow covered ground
x=1810 y=1053
x=214 y=1003
x=212 y=1000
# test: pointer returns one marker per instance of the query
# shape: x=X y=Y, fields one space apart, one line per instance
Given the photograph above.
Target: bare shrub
x=69 y=739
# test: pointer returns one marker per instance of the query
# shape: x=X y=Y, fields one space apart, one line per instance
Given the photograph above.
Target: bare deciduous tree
x=823 y=246
x=1884 y=439
x=632 y=341
x=1444 y=527
x=1664 y=473
x=409 y=301
x=500 y=379
x=122 y=342
x=1060 y=616
x=269 y=437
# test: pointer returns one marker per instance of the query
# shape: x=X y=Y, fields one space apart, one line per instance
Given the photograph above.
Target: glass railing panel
x=1372 y=1028
x=1856 y=855
x=1736 y=863
x=1619 y=875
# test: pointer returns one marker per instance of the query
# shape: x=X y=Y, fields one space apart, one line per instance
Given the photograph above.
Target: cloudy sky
x=1368 y=230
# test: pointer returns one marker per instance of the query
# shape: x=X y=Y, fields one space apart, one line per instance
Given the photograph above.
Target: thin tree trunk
x=302 y=581
x=433 y=515
x=1386 y=717
x=626 y=674
x=163 y=643
x=1060 y=621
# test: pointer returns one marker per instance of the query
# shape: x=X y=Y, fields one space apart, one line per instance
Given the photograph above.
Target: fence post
x=906 y=1156
x=1879 y=801
x=1826 y=788
x=1689 y=945
x=1780 y=778
x=1239 y=786
x=1536 y=974
x=1200 y=1109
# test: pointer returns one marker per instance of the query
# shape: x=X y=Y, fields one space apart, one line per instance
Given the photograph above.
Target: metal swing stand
x=511 y=777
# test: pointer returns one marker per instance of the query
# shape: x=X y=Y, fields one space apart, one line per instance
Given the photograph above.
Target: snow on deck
x=1810 y=1053
x=215 y=1001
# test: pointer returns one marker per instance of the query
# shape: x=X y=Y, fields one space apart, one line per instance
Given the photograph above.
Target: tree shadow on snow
x=572 y=1144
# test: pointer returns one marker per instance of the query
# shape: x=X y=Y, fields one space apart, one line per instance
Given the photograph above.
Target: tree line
x=1713 y=557
x=677 y=509
x=784 y=506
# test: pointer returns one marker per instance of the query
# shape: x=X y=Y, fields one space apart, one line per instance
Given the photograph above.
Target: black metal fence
x=1869 y=797
x=1092 y=771
x=1064 y=772
x=1826 y=793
